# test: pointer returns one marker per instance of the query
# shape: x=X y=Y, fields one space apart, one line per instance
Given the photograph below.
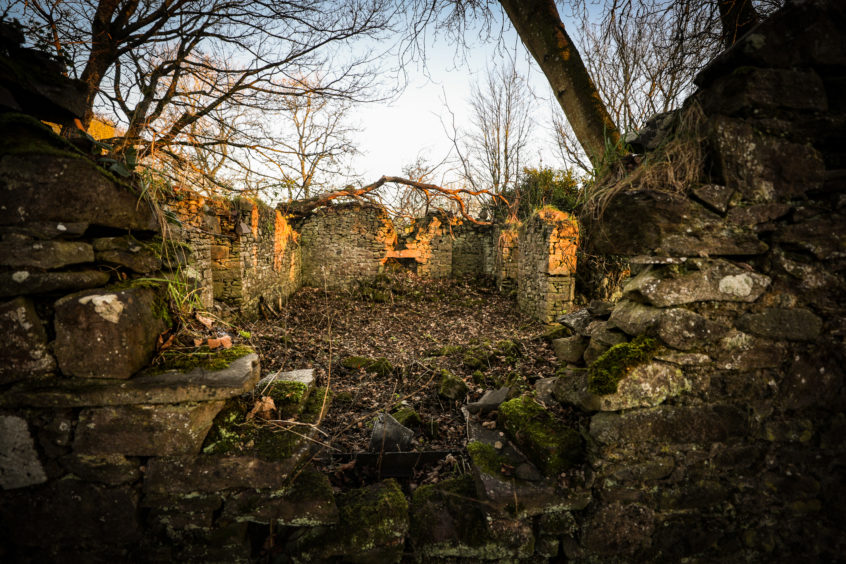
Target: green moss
x=307 y=485
x=447 y=350
x=314 y=403
x=451 y=386
x=344 y=398
x=379 y=366
x=508 y=348
x=407 y=416
x=556 y=332
x=232 y=434
x=486 y=458
x=202 y=358
x=552 y=446
x=288 y=397
x=614 y=364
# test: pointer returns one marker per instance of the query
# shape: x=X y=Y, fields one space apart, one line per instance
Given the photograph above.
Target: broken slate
x=389 y=436
x=489 y=401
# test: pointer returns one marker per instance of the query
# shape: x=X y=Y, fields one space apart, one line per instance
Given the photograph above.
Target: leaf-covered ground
x=421 y=327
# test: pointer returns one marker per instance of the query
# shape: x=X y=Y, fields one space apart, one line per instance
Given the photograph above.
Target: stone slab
x=197 y=385
x=674 y=424
x=668 y=225
x=700 y=280
x=19 y=463
x=110 y=469
x=186 y=474
x=145 y=430
x=646 y=385
x=47 y=187
x=44 y=254
x=303 y=376
x=307 y=502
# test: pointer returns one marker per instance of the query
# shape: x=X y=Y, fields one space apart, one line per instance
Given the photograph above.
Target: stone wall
x=429 y=244
x=471 y=250
x=506 y=252
x=345 y=244
x=199 y=230
x=721 y=441
x=245 y=253
x=546 y=264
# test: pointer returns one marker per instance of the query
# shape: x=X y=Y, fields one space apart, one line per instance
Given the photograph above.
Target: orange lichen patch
x=404 y=253
x=281 y=233
x=254 y=220
x=563 y=243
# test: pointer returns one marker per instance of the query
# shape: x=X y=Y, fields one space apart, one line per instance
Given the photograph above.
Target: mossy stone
x=288 y=397
x=613 y=365
x=451 y=386
x=451 y=502
x=447 y=350
x=372 y=526
x=203 y=357
x=379 y=366
x=407 y=417
x=550 y=444
x=487 y=459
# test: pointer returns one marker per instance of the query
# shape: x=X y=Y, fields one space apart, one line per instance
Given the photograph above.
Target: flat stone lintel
x=167 y=387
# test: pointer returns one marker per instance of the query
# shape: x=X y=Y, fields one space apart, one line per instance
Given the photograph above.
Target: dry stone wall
x=343 y=245
x=721 y=440
x=546 y=264
x=245 y=253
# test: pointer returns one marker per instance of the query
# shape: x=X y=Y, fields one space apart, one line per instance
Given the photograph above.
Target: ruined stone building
x=713 y=386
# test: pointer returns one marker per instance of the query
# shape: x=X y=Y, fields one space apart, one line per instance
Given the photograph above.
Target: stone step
x=289 y=390
x=169 y=387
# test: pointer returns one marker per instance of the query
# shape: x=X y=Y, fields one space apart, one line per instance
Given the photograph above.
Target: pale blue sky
x=393 y=135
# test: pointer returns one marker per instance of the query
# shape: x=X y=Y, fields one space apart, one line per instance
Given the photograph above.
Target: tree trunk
x=540 y=27
x=737 y=17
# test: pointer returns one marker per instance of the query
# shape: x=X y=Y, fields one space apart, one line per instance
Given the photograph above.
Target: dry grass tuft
x=675 y=166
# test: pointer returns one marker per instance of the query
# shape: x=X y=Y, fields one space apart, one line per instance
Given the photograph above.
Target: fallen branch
x=302 y=207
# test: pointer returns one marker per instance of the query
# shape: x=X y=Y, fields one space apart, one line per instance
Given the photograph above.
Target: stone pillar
x=546 y=265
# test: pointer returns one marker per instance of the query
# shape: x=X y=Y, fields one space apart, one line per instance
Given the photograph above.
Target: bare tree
x=177 y=73
x=643 y=56
x=490 y=154
x=312 y=141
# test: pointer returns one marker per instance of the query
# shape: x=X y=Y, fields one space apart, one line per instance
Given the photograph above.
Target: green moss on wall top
x=202 y=358
x=614 y=364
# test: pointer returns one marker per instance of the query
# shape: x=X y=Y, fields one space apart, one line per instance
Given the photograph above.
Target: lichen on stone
x=613 y=365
